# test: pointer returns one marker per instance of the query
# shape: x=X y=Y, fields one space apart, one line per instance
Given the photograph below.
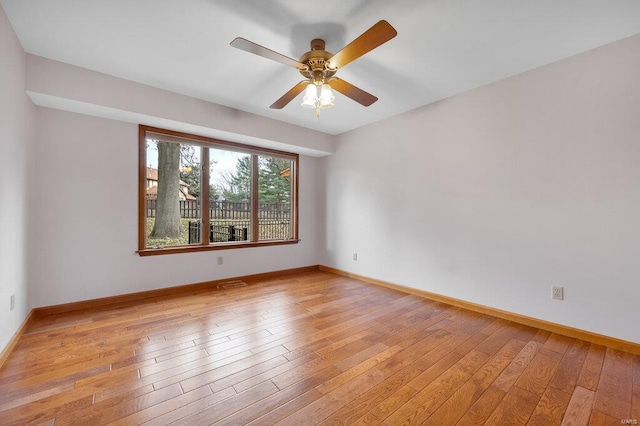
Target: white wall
x=16 y=142
x=497 y=194
x=86 y=226
x=62 y=86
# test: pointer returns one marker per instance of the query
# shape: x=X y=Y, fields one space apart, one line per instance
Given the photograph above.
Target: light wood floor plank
x=592 y=367
x=307 y=348
x=613 y=396
x=515 y=408
x=466 y=395
x=483 y=408
x=427 y=401
x=568 y=372
x=551 y=408
x=580 y=407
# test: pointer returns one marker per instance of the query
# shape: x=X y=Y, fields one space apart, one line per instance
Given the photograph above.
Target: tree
x=272 y=187
x=177 y=163
x=167 y=223
x=191 y=176
x=239 y=182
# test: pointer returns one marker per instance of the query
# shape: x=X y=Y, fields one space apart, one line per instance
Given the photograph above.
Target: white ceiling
x=443 y=47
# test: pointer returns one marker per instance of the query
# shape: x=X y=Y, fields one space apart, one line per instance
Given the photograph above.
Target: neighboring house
x=152 y=186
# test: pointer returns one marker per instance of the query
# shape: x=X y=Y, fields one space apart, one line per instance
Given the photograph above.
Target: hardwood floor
x=311 y=348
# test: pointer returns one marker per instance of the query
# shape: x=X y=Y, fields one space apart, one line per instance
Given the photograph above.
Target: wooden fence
x=190 y=209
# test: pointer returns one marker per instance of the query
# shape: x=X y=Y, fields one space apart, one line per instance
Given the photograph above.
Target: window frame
x=208 y=142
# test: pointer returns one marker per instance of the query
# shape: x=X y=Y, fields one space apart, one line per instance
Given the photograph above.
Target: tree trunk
x=167 y=224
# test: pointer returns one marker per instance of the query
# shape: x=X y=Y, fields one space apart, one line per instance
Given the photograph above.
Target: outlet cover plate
x=557 y=293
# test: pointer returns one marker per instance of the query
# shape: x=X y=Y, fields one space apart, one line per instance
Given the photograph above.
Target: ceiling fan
x=319 y=67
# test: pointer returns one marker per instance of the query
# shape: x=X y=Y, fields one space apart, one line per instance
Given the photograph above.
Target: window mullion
x=294 y=199
x=204 y=197
x=254 y=198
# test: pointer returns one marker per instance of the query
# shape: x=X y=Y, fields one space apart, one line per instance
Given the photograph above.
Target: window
x=197 y=193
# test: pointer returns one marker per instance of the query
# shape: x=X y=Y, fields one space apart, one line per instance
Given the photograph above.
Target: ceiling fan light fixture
x=326 y=96
x=310 y=98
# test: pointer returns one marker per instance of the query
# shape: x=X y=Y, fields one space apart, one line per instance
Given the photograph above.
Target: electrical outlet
x=220 y=260
x=13 y=302
x=355 y=256
x=557 y=293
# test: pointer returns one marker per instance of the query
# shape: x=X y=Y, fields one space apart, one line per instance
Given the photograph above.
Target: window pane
x=274 y=198
x=230 y=195
x=172 y=194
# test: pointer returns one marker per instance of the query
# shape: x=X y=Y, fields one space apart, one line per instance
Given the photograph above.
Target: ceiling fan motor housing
x=317 y=62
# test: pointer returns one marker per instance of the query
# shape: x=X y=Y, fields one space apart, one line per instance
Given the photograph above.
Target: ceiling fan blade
x=352 y=91
x=378 y=34
x=256 y=49
x=288 y=97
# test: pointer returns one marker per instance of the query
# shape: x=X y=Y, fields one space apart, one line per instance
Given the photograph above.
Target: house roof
x=152 y=193
x=152 y=174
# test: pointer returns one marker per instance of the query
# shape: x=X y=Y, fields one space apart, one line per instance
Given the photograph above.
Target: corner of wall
x=17 y=139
